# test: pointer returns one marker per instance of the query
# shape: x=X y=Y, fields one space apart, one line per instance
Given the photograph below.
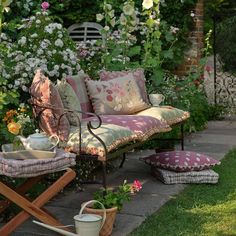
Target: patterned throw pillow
x=138 y=75
x=117 y=96
x=113 y=136
x=181 y=161
x=77 y=82
x=44 y=94
x=169 y=114
x=196 y=177
x=70 y=101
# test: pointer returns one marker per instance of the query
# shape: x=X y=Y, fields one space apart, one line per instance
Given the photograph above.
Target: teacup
x=156 y=99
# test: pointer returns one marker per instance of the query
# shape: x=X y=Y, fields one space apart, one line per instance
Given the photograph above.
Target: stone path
x=216 y=140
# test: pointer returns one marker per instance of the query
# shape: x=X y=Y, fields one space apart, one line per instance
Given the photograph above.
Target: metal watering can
x=85 y=224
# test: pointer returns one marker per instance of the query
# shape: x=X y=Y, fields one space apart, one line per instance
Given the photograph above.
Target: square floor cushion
x=197 y=177
x=181 y=161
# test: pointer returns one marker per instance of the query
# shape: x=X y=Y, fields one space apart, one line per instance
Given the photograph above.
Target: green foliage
x=110 y=198
x=116 y=197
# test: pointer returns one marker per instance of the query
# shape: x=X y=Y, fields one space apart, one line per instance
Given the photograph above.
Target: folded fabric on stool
x=197 y=177
x=35 y=167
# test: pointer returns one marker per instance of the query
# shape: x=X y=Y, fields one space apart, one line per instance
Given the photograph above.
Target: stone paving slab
x=216 y=141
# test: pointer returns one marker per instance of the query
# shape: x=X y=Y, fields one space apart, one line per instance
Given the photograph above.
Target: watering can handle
x=95 y=201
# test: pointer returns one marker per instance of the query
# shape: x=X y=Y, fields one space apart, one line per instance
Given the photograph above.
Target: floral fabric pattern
x=138 y=75
x=118 y=96
x=142 y=126
x=44 y=94
x=169 y=114
x=113 y=136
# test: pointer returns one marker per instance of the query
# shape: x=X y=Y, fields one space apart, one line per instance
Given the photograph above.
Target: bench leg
x=123 y=160
x=34 y=208
x=182 y=136
x=104 y=174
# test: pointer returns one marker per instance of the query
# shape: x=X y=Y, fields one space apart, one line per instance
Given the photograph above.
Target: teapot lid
x=37 y=134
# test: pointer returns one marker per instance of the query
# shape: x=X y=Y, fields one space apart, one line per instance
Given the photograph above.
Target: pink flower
x=45 y=5
x=109 y=98
x=137 y=185
x=208 y=69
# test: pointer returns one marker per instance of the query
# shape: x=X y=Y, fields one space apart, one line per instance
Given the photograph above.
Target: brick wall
x=194 y=54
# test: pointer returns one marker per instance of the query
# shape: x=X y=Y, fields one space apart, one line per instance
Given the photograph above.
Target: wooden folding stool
x=33 y=208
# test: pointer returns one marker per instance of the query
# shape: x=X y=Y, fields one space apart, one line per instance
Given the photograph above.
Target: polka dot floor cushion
x=196 y=177
x=181 y=161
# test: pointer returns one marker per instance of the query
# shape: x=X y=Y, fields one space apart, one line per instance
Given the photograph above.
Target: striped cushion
x=197 y=177
x=77 y=82
x=35 y=167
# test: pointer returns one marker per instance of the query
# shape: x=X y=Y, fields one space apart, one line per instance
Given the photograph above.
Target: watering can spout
x=55 y=229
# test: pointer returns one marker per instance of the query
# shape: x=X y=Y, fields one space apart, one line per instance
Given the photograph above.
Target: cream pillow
x=69 y=100
x=117 y=96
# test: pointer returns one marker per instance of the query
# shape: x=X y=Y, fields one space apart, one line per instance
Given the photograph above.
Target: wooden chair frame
x=33 y=208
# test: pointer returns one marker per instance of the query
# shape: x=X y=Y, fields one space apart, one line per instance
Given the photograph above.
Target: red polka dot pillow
x=181 y=161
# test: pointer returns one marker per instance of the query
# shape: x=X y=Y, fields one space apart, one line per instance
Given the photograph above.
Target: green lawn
x=200 y=209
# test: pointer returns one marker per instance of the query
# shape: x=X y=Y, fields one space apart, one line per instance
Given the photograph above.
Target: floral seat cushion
x=112 y=135
x=167 y=113
x=142 y=126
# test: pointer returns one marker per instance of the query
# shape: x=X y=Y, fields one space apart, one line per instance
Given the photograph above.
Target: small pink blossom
x=109 y=98
x=136 y=186
x=45 y=5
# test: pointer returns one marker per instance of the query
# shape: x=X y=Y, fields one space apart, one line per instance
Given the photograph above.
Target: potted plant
x=113 y=200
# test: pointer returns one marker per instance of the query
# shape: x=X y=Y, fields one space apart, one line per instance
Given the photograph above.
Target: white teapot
x=39 y=141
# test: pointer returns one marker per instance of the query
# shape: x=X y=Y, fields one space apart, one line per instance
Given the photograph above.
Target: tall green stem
x=1 y=13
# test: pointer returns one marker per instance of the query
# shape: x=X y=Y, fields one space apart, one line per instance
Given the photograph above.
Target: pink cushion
x=118 y=96
x=44 y=94
x=181 y=161
x=138 y=75
x=142 y=126
x=77 y=82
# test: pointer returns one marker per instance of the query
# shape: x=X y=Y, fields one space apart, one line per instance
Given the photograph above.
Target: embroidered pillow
x=169 y=114
x=117 y=96
x=181 y=161
x=70 y=101
x=77 y=82
x=138 y=75
x=44 y=94
x=196 y=177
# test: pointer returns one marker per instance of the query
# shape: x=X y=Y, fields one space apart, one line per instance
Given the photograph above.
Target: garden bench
x=97 y=137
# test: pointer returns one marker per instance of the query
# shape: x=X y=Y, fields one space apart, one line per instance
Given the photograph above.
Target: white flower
x=109 y=6
x=123 y=19
x=59 y=43
x=38 y=21
x=128 y=9
x=147 y=4
x=99 y=17
x=192 y=14
x=113 y=22
x=34 y=35
x=111 y=13
x=22 y=41
x=106 y=28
